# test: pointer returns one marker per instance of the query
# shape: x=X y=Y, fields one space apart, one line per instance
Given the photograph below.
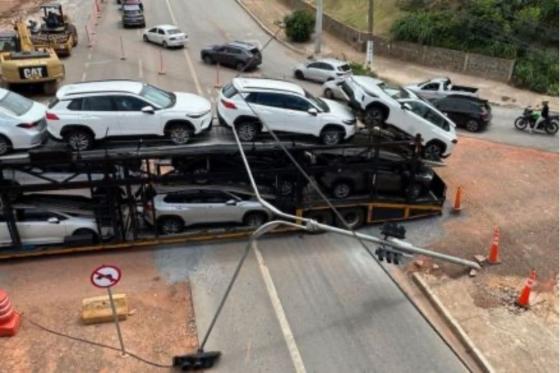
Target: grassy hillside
x=355 y=13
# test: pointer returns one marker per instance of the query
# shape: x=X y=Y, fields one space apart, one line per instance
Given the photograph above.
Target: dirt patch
x=12 y=9
x=49 y=292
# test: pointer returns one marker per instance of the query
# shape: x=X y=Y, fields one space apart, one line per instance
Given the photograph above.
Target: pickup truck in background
x=440 y=88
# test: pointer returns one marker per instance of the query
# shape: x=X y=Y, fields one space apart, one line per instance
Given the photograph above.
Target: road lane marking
x=280 y=314
x=140 y=69
x=186 y=54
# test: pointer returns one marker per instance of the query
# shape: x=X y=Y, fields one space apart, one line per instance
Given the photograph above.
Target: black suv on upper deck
x=238 y=54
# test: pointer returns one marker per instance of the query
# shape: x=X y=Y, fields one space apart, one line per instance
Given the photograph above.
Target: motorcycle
x=533 y=119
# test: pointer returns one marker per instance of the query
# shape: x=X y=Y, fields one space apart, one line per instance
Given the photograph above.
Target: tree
x=299 y=26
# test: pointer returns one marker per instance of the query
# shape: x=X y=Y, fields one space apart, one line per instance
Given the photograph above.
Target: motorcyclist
x=543 y=120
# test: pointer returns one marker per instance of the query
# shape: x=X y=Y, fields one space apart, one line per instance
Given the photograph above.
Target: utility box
x=98 y=309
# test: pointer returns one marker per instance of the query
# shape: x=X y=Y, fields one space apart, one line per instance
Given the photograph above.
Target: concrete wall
x=449 y=59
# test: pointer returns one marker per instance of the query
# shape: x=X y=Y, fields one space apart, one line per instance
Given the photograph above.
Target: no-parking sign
x=105 y=276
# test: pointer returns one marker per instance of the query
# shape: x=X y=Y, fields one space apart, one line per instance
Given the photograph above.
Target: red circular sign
x=105 y=276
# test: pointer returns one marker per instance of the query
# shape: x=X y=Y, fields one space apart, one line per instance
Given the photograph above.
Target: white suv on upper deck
x=284 y=107
x=89 y=111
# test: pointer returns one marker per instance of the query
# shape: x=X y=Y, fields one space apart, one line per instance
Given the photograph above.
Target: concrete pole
x=369 y=49
x=318 y=26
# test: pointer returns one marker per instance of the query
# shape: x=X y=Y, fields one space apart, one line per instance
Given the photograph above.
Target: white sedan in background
x=323 y=70
x=165 y=35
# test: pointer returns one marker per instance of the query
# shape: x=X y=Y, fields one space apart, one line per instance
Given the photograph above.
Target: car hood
x=191 y=103
x=340 y=110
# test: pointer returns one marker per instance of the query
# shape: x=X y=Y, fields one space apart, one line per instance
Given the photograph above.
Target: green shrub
x=538 y=72
x=358 y=69
x=299 y=26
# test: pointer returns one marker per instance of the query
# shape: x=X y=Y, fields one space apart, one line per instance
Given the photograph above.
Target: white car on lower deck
x=83 y=113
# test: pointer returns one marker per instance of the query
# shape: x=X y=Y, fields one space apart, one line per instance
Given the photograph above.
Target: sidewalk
x=397 y=71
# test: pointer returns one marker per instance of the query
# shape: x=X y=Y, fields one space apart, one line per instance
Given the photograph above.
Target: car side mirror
x=53 y=220
x=313 y=111
x=231 y=202
x=148 y=110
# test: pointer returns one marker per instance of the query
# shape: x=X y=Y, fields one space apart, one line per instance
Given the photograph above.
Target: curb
x=471 y=348
x=267 y=30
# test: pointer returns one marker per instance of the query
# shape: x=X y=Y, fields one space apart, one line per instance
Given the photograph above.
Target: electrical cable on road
x=93 y=343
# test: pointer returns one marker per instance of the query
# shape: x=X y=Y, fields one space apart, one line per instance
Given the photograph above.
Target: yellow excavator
x=23 y=63
x=56 y=31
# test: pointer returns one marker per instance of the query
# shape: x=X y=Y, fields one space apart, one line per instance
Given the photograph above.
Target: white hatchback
x=165 y=35
x=323 y=70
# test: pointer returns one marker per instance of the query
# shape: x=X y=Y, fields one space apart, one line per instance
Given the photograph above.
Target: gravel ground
x=50 y=291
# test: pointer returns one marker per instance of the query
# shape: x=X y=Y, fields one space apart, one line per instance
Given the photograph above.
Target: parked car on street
x=23 y=123
x=175 y=211
x=471 y=113
x=441 y=87
x=83 y=113
x=322 y=70
x=133 y=16
x=43 y=227
x=380 y=104
x=242 y=56
x=285 y=107
x=165 y=35
x=124 y=3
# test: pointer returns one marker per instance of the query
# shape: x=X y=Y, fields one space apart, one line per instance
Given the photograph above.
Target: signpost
x=105 y=277
x=369 y=53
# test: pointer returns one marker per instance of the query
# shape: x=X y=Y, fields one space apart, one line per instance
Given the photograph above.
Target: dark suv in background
x=133 y=16
x=471 y=113
x=238 y=54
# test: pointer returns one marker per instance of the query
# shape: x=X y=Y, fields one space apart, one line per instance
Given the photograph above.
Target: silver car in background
x=23 y=123
x=323 y=70
x=177 y=210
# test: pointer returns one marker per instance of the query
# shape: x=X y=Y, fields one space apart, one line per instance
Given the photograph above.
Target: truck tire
x=354 y=217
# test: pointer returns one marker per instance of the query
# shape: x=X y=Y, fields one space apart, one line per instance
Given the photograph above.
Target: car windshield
x=132 y=9
x=173 y=31
x=15 y=103
x=344 y=67
x=162 y=99
x=395 y=92
x=318 y=102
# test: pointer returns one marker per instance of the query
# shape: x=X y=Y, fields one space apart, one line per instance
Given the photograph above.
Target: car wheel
x=413 y=191
x=552 y=127
x=247 y=131
x=433 y=150
x=521 y=123
x=145 y=38
x=341 y=190
x=164 y=44
x=208 y=59
x=92 y=236
x=254 y=219
x=374 y=116
x=354 y=218
x=472 y=125
x=5 y=145
x=240 y=66
x=328 y=93
x=179 y=134
x=331 y=137
x=79 y=139
x=299 y=75
x=170 y=225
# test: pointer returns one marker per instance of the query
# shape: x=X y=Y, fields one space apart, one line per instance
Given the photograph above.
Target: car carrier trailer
x=132 y=177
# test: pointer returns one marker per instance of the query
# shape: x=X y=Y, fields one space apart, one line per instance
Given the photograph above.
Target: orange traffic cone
x=523 y=300
x=457 y=207
x=9 y=319
x=494 y=252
